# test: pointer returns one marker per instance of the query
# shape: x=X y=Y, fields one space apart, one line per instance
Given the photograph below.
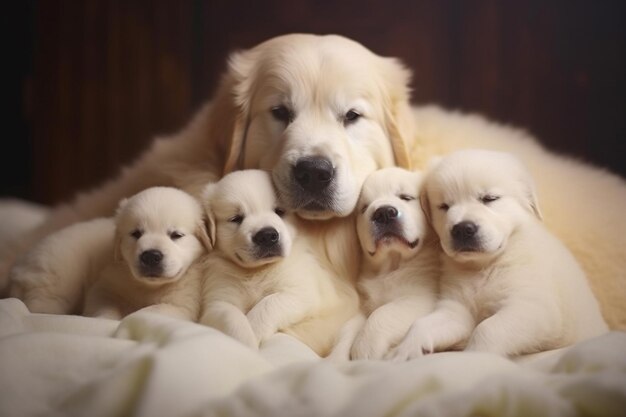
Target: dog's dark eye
x=486 y=199
x=137 y=233
x=282 y=114
x=443 y=206
x=279 y=211
x=351 y=116
x=406 y=197
x=176 y=235
x=236 y=219
x=364 y=208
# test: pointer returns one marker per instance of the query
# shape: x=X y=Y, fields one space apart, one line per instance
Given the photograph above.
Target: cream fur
x=510 y=287
x=160 y=219
x=399 y=270
x=250 y=292
x=319 y=76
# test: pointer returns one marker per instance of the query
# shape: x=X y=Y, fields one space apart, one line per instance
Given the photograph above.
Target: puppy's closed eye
x=175 y=235
x=489 y=198
x=137 y=233
x=406 y=197
x=351 y=116
x=443 y=207
x=279 y=211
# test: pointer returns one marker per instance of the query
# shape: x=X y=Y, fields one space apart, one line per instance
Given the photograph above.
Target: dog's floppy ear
x=206 y=234
x=231 y=108
x=117 y=243
x=398 y=113
x=425 y=203
x=209 y=220
x=530 y=196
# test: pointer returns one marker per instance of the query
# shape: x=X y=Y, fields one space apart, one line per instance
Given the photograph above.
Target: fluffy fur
x=159 y=234
x=508 y=286
x=400 y=266
x=54 y=276
x=261 y=277
x=295 y=96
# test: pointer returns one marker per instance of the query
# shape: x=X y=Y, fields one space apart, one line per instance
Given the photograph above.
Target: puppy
x=508 y=286
x=55 y=274
x=399 y=268
x=159 y=234
x=260 y=278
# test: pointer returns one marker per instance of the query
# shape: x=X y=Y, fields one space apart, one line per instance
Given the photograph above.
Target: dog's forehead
x=391 y=181
x=249 y=191
x=160 y=208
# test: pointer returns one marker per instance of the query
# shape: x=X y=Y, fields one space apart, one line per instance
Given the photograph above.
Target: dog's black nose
x=385 y=214
x=464 y=230
x=266 y=237
x=151 y=258
x=314 y=174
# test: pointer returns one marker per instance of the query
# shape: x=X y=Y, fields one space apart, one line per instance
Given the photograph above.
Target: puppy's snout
x=464 y=231
x=313 y=174
x=385 y=215
x=266 y=237
x=151 y=258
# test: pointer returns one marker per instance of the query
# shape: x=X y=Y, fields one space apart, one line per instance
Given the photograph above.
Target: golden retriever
x=159 y=234
x=508 y=286
x=399 y=269
x=262 y=277
x=320 y=113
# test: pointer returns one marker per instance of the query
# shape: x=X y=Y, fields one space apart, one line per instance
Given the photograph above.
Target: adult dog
x=321 y=112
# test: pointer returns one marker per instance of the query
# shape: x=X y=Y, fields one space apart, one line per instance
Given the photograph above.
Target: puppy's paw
x=413 y=346
x=262 y=330
x=368 y=348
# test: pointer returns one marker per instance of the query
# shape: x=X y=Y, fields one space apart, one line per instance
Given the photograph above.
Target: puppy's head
x=389 y=215
x=320 y=113
x=159 y=233
x=246 y=221
x=476 y=199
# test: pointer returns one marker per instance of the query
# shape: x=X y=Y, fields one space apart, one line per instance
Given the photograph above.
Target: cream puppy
x=55 y=274
x=399 y=268
x=260 y=279
x=159 y=234
x=508 y=286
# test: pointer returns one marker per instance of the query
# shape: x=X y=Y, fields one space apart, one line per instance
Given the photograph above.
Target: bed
x=152 y=365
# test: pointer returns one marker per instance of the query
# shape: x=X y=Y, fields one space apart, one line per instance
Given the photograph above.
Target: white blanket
x=150 y=365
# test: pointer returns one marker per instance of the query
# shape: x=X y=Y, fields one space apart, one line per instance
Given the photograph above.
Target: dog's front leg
x=520 y=327
x=386 y=326
x=275 y=312
x=449 y=324
x=346 y=337
x=170 y=310
x=229 y=319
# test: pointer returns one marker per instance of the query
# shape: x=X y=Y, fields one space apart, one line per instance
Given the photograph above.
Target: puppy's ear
x=425 y=203
x=532 y=203
x=117 y=247
x=206 y=234
x=398 y=114
x=208 y=223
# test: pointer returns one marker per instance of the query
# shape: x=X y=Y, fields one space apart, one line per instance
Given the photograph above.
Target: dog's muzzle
x=465 y=237
x=386 y=226
x=151 y=263
x=267 y=243
x=313 y=183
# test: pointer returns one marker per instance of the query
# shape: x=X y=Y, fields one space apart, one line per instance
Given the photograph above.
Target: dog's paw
x=366 y=348
x=413 y=346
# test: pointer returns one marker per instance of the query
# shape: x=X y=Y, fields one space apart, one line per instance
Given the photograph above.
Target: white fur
x=54 y=275
x=160 y=219
x=514 y=289
x=399 y=270
x=247 y=294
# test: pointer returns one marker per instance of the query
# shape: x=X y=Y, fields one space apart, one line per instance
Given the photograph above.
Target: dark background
x=91 y=82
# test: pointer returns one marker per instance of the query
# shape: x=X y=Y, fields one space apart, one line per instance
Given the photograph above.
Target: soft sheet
x=152 y=365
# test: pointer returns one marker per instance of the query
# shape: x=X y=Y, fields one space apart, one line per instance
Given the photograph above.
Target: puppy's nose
x=266 y=237
x=464 y=230
x=385 y=214
x=151 y=257
x=313 y=173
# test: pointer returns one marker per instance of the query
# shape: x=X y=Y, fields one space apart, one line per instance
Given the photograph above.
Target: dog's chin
x=392 y=243
x=151 y=278
x=257 y=261
x=474 y=254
